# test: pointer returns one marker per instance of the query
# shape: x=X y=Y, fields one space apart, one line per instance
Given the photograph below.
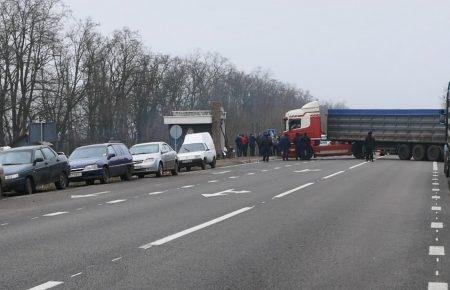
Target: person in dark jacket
x=299 y=149
x=238 y=142
x=266 y=146
x=308 y=148
x=244 y=145
x=258 y=143
x=369 y=146
x=252 y=144
x=284 y=145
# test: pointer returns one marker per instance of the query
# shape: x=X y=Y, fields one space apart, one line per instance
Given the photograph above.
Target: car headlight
x=12 y=176
x=91 y=167
x=149 y=160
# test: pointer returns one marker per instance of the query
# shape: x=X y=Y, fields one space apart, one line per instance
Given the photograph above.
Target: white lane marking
x=288 y=165
x=100 y=204
x=435 y=197
x=436 y=208
x=116 y=201
x=251 y=173
x=437 y=259
x=436 y=251
x=188 y=186
x=276 y=168
x=47 y=285
x=435 y=179
x=36 y=217
x=225 y=192
x=435 y=225
x=4 y=224
x=436 y=183
x=233 y=177
x=334 y=174
x=307 y=170
x=194 y=229
x=213 y=181
x=56 y=213
x=221 y=172
x=264 y=170
x=437 y=286
x=292 y=190
x=357 y=165
x=435 y=167
x=437 y=240
x=157 y=192
x=90 y=194
x=435 y=189
x=437 y=273
x=80 y=208
x=77 y=274
x=116 y=259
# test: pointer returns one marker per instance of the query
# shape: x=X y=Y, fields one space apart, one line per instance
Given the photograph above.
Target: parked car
x=197 y=150
x=2 y=181
x=25 y=168
x=100 y=162
x=154 y=157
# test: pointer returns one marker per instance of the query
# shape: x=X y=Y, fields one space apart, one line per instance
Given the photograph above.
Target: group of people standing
x=244 y=143
x=302 y=143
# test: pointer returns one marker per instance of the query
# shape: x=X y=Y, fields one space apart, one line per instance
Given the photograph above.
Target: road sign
x=176 y=131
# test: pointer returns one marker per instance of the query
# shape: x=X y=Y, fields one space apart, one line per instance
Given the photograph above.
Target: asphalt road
x=334 y=223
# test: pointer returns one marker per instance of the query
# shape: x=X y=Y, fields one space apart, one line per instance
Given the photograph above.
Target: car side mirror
x=207 y=149
x=39 y=159
x=61 y=153
x=111 y=155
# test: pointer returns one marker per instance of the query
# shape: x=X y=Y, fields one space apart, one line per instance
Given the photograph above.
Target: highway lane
x=277 y=225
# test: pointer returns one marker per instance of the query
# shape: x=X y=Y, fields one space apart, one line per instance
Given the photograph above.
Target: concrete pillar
x=216 y=113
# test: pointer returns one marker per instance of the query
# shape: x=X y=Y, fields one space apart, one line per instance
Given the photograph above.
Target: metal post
x=42 y=131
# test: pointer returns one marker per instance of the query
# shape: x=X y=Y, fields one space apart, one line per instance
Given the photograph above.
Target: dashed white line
x=437 y=286
x=233 y=177
x=56 y=213
x=221 y=172
x=437 y=225
x=77 y=274
x=436 y=183
x=292 y=190
x=334 y=174
x=276 y=168
x=80 y=208
x=437 y=273
x=435 y=167
x=36 y=217
x=357 y=165
x=4 y=224
x=194 y=229
x=436 y=197
x=435 y=189
x=188 y=186
x=116 y=259
x=436 y=208
x=157 y=192
x=47 y=285
x=116 y=201
x=251 y=173
x=436 y=251
x=213 y=181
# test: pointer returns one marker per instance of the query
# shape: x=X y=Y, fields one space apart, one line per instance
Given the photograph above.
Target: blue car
x=100 y=162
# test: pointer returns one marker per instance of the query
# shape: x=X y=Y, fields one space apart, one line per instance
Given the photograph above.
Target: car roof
x=149 y=143
x=33 y=147
x=101 y=144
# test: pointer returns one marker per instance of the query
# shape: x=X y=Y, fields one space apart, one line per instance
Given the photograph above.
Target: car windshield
x=88 y=152
x=193 y=147
x=144 y=149
x=15 y=157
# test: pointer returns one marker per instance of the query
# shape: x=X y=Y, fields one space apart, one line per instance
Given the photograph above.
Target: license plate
x=75 y=174
x=185 y=161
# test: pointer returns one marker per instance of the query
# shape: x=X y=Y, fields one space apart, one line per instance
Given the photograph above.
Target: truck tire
x=404 y=152
x=357 y=150
x=433 y=153
x=418 y=152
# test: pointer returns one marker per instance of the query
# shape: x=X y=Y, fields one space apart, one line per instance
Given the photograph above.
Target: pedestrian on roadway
x=369 y=146
x=275 y=147
x=252 y=144
x=284 y=145
x=244 y=145
x=266 y=146
x=308 y=148
x=258 y=143
x=238 y=142
x=299 y=148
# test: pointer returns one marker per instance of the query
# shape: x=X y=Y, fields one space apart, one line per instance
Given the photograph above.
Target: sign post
x=175 y=132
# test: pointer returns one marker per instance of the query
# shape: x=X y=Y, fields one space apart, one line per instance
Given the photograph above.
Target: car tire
x=141 y=175
x=175 y=170
x=160 y=171
x=127 y=176
x=106 y=178
x=62 y=182
x=28 y=186
x=203 y=164
x=213 y=164
x=90 y=182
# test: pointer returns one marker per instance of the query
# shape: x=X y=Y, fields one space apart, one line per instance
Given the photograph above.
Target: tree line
x=99 y=87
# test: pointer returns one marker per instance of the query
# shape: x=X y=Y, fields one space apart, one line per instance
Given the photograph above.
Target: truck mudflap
x=333 y=150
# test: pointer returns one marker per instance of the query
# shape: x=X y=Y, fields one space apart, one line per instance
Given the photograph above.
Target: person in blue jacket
x=284 y=144
x=238 y=142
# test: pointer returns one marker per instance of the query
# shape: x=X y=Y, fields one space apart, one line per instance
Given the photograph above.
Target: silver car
x=2 y=181
x=154 y=158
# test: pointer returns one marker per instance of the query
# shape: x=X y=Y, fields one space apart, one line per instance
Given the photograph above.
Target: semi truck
x=417 y=134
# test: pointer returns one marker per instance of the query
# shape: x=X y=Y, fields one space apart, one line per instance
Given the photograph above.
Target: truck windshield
x=295 y=124
x=88 y=152
x=193 y=147
x=144 y=149
x=15 y=157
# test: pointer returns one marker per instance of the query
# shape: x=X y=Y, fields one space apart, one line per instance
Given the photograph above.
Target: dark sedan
x=25 y=168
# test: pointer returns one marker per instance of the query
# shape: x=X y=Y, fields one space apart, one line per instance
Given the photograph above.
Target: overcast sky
x=369 y=54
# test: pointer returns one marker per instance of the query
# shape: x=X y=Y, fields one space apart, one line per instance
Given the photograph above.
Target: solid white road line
x=56 y=213
x=292 y=190
x=437 y=286
x=436 y=251
x=334 y=174
x=437 y=208
x=47 y=285
x=194 y=229
x=157 y=192
x=221 y=172
x=116 y=201
x=357 y=165
x=435 y=225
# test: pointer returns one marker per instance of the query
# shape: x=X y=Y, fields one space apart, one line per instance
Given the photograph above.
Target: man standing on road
x=266 y=146
x=284 y=145
x=307 y=147
x=252 y=144
x=299 y=150
x=244 y=145
x=238 y=142
x=369 y=146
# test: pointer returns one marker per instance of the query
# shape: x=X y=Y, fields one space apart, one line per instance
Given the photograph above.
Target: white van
x=197 y=150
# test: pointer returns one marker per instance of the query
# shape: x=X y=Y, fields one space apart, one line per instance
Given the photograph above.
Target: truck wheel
x=418 y=152
x=433 y=153
x=404 y=152
x=357 y=150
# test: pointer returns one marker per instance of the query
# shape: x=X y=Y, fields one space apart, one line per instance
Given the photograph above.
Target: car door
x=113 y=162
x=208 y=153
x=41 y=174
x=172 y=155
x=51 y=164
